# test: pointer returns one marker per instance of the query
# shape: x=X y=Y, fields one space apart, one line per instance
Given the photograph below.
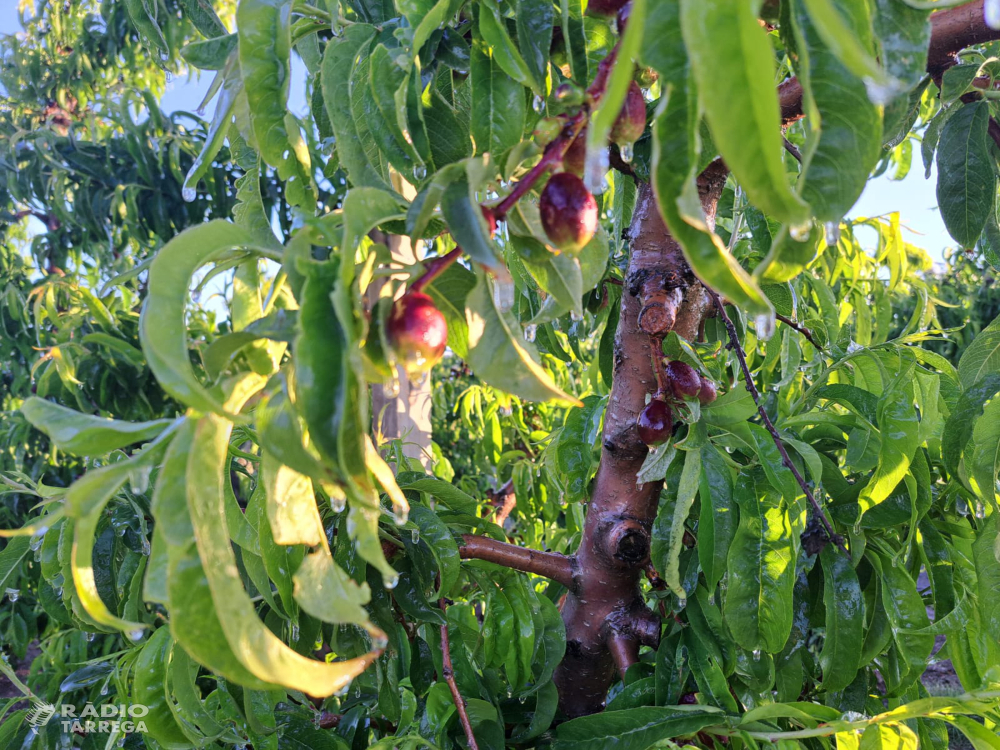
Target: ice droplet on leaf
x=530 y=331
x=390 y=581
x=627 y=151
x=135 y=635
x=13 y=594
x=538 y=104
x=991 y=13
x=189 y=194
x=764 y=325
x=503 y=293
x=390 y=386
x=594 y=168
x=419 y=172
x=831 y=232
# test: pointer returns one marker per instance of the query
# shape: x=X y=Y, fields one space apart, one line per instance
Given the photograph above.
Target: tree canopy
x=710 y=465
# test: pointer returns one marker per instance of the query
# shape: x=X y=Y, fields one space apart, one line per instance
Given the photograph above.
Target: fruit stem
x=555 y=151
x=435 y=268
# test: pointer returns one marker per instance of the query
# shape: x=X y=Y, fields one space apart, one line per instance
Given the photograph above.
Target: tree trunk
x=405 y=415
x=605 y=615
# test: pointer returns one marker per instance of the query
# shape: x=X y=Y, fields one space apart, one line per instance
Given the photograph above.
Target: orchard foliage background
x=202 y=520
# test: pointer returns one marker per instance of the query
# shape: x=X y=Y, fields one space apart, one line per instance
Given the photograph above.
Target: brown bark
x=952 y=30
x=605 y=615
x=551 y=565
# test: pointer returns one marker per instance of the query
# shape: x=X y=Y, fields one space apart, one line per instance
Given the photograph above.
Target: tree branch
x=504 y=500
x=552 y=565
x=449 y=677
x=952 y=30
x=555 y=151
x=734 y=344
x=800 y=328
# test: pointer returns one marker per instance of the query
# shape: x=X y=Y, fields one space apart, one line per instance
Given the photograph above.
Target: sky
x=914 y=197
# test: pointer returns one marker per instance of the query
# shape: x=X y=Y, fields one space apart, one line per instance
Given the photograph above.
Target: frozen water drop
x=800 y=232
x=575 y=315
x=530 y=331
x=681 y=602
x=503 y=293
x=962 y=506
x=627 y=151
x=104 y=689
x=189 y=194
x=764 y=326
x=400 y=515
x=136 y=635
x=756 y=654
x=857 y=528
x=538 y=104
x=991 y=13
x=36 y=542
x=390 y=387
x=831 y=232
x=419 y=172
x=295 y=632
x=390 y=581
x=13 y=594
x=594 y=168
x=338 y=503
x=415 y=535
x=90 y=636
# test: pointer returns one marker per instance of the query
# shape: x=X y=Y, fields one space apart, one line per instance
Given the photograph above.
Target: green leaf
x=163 y=327
x=265 y=48
x=498 y=356
x=558 y=275
x=467 y=223
x=534 y=20
x=985 y=459
x=575 y=449
x=232 y=89
x=325 y=591
x=634 y=728
x=498 y=103
x=898 y=426
x=687 y=491
x=450 y=291
x=260 y=651
x=149 y=690
x=84 y=434
x=291 y=504
x=962 y=421
x=707 y=672
x=210 y=54
x=442 y=546
x=493 y=29
x=982 y=357
x=986 y=551
x=575 y=38
x=717 y=521
x=740 y=100
x=203 y=16
x=906 y=612
x=904 y=34
x=845 y=620
x=966 y=187
x=845 y=127
x=674 y=164
x=338 y=62
x=758 y=605
x=851 y=44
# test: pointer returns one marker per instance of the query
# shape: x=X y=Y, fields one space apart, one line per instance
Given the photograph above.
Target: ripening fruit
x=655 y=423
x=605 y=7
x=684 y=379
x=417 y=332
x=707 y=393
x=568 y=212
x=632 y=119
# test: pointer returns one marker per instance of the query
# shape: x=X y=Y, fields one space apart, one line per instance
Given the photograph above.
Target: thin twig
x=555 y=151
x=449 y=677
x=800 y=328
x=734 y=344
x=434 y=268
x=792 y=149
